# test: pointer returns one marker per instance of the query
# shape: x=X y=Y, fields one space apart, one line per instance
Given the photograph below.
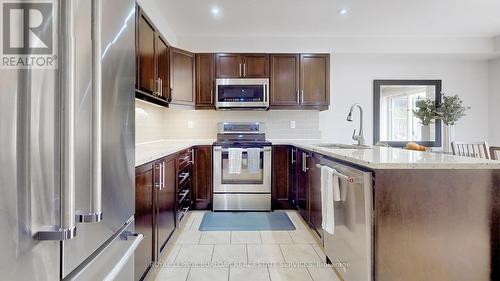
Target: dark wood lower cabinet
x=166 y=203
x=315 y=212
x=202 y=185
x=144 y=214
x=154 y=210
x=302 y=182
x=281 y=177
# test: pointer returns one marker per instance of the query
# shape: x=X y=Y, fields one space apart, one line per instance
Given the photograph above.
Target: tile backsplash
x=155 y=123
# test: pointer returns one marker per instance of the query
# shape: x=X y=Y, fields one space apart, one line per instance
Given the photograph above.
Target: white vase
x=425 y=133
x=448 y=137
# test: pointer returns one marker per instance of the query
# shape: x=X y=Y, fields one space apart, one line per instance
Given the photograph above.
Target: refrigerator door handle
x=67 y=228
x=95 y=212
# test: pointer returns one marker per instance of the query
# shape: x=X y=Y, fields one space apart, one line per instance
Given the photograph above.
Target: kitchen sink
x=343 y=146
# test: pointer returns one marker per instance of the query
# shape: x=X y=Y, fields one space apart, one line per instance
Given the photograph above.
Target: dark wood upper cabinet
x=182 y=77
x=202 y=185
x=285 y=80
x=242 y=65
x=228 y=65
x=205 y=78
x=152 y=62
x=163 y=67
x=282 y=163
x=255 y=66
x=315 y=79
x=146 y=54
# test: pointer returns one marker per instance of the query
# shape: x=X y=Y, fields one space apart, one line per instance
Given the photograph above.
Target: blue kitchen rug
x=245 y=221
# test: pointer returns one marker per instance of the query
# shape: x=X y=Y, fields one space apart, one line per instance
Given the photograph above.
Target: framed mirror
x=394 y=121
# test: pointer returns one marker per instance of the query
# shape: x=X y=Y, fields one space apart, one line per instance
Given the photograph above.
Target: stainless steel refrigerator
x=67 y=142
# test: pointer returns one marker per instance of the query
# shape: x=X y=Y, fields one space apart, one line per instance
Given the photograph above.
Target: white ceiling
x=366 y=18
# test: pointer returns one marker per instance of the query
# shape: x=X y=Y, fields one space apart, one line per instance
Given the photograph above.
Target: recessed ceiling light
x=215 y=11
x=343 y=12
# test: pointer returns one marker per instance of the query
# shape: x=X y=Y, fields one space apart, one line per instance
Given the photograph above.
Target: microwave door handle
x=95 y=213
x=265 y=93
x=67 y=227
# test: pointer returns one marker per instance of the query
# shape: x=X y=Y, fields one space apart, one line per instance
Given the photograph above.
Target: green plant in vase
x=425 y=111
x=450 y=110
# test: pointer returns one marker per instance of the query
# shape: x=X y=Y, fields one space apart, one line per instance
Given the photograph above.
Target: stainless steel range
x=242 y=168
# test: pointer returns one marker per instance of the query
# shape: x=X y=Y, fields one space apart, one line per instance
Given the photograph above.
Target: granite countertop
x=373 y=158
x=147 y=152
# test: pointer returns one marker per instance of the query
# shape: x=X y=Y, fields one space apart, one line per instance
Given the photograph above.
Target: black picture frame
x=376 y=109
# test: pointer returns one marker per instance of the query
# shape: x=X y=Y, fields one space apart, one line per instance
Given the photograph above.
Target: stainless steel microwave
x=244 y=93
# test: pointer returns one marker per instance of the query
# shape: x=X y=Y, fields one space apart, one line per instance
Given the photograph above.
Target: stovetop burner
x=242 y=143
x=239 y=134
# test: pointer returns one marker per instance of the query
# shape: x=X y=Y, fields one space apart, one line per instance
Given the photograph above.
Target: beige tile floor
x=193 y=255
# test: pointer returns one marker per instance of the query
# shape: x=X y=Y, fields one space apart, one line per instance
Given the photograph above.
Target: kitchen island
x=431 y=216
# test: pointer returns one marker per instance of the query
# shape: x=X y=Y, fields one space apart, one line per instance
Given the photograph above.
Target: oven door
x=242 y=93
x=245 y=182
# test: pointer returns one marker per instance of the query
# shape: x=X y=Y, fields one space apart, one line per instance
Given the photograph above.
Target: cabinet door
x=285 y=80
x=182 y=76
x=202 y=186
x=315 y=79
x=166 y=202
x=228 y=65
x=315 y=217
x=205 y=77
x=163 y=67
x=281 y=181
x=302 y=182
x=256 y=66
x=146 y=65
x=144 y=189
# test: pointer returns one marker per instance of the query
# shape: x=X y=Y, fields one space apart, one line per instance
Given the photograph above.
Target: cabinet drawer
x=184 y=159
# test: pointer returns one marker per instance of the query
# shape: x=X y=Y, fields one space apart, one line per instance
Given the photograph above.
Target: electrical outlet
x=292 y=124
x=190 y=124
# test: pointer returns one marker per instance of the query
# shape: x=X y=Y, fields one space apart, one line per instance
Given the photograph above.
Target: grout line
x=177 y=254
x=189 y=272
x=310 y=275
x=246 y=250
x=228 y=273
x=269 y=273
x=212 y=256
x=312 y=246
x=282 y=255
x=320 y=255
x=230 y=237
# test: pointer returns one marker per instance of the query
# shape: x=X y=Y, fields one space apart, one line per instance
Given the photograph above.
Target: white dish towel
x=330 y=192
x=234 y=157
x=253 y=158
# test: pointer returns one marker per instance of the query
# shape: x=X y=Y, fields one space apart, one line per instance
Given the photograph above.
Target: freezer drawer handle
x=67 y=228
x=137 y=239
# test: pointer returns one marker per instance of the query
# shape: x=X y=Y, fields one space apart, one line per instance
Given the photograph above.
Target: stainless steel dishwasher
x=350 y=249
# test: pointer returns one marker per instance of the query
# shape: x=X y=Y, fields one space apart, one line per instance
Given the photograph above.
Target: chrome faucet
x=360 y=138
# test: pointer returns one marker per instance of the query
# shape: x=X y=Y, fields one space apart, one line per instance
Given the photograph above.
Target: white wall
x=352 y=81
x=494 y=102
